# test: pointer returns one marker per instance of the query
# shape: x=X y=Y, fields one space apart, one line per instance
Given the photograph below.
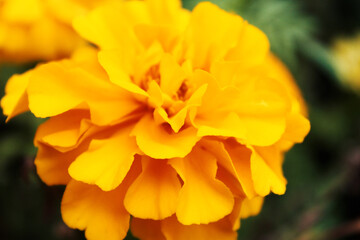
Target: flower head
x=180 y=120
x=34 y=30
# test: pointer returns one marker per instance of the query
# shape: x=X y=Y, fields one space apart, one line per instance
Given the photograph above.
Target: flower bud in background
x=179 y=119
x=346 y=59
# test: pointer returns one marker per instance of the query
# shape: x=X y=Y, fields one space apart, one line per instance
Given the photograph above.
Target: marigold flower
x=346 y=59
x=34 y=30
x=180 y=120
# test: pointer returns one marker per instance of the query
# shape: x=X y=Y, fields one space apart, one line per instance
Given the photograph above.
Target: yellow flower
x=180 y=120
x=33 y=30
x=346 y=58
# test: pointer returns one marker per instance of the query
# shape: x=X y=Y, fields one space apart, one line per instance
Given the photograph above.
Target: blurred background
x=320 y=42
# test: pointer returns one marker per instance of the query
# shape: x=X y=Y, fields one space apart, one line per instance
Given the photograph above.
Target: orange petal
x=172 y=75
x=106 y=162
x=154 y=194
x=173 y=230
x=15 y=100
x=251 y=207
x=146 y=229
x=52 y=165
x=205 y=47
x=57 y=87
x=235 y=158
x=98 y=28
x=265 y=177
x=101 y=214
x=297 y=127
x=203 y=198
x=119 y=68
x=252 y=47
x=234 y=217
x=63 y=130
x=155 y=141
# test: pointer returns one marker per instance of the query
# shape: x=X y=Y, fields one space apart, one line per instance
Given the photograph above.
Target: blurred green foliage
x=323 y=194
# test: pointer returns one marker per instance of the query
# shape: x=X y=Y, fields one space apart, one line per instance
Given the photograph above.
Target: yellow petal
x=235 y=158
x=205 y=47
x=154 y=193
x=251 y=207
x=146 y=229
x=62 y=130
x=263 y=131
x=234 y=217
x=264 y=177
x=274 y=158
x=252 y=47
x=173 y=230
x=157 y=141
x=229 y=125
x=21 y=12
x=101 y=214
x=155 y=99
x=118 y=66
x=172 y=75
x=262 y=106
x=52 y=165
x=297 y=127
x=15 y=100
x=52 y=89
x=277 y=70
x=98 y=27
x=252 y=110
x=57 y=87
x=177 y=120
x=106 y=162
x=203 y=198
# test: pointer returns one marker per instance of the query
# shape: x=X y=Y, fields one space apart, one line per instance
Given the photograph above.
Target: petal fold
x=15 y=100
x=101 y=214
x=159 y=142
x=154 y=194
x=213 y=202
x=106 y=162
x=173 y=230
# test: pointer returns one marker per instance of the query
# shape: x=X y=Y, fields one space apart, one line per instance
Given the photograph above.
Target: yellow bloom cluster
x=32 y=30
x=179 y=119
x=346 y=58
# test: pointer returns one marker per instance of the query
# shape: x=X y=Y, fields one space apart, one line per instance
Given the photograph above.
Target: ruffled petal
x=158 y=142
x=205 y=47
x=229 y=125
x=297 y=127
x=118 y=66
x=57 y=87
x=101 y=214
x=106 y=162
x=52 y=165
x=252 y=47
x=154 y=194
x=15 y=100
x=173 y=230
x=99 y=28
x=213 y=201
x=266 y=177
x=172 y=75
x=62 y=131
x=235 y=158
x=251 y=207
x=146 y=229
x=234 y=217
